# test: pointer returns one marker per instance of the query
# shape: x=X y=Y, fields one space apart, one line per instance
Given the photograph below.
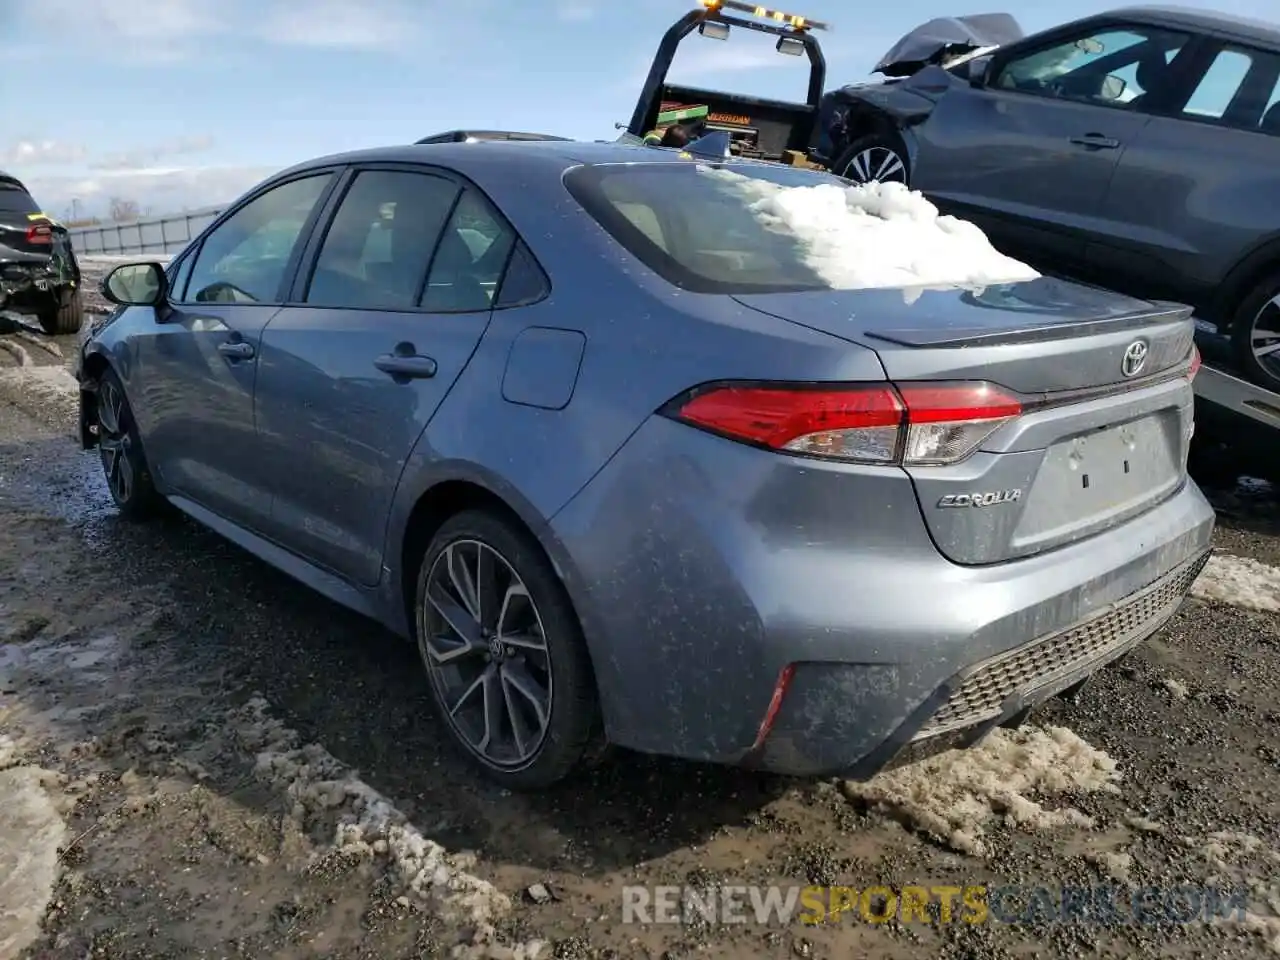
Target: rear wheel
x=67 y=318
x=876 y=157
x=123 y=464
x=1255 y=333
x=504 y=652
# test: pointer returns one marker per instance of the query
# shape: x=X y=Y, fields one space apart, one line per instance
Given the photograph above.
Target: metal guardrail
x=146 y=235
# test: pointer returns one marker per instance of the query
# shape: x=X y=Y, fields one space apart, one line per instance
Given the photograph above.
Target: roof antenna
x=711 y=146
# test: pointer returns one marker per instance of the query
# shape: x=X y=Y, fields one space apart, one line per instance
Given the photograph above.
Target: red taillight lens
x=1195 y=363
x=40 y=233
x=912 y=424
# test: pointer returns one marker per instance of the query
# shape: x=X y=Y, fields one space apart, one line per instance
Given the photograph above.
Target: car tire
x=874 y=153
x=1261 y=305
x=519 y=696
x=120 y=448
x=65 y=319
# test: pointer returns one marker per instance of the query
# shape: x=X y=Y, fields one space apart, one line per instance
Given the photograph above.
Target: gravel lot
x=199 y=758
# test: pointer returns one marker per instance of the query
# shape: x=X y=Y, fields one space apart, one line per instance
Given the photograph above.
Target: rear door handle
x=236 y=349
x=1097 y=141
x=405 y=363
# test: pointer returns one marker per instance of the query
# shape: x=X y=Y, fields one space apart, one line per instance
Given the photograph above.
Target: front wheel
x=120 y=448
x=876 y=157
x=1255 y=333
x=504 y=652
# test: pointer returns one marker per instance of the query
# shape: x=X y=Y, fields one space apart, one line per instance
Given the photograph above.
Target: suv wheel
x=64 y=319
x=504 y=652
x=1255 y=333
x=876 y=157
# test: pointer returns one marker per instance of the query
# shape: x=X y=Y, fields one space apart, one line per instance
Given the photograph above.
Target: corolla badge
x=987 y=498
x=1135 y=358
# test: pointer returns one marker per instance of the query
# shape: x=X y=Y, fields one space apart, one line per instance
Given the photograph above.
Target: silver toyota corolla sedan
x=629 y=470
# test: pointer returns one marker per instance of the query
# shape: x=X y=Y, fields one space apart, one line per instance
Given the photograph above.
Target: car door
x=1200 y=186
x=1028 y=154
x=387 y=318
x=198 y=364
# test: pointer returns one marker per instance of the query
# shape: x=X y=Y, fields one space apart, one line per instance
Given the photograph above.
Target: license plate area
x=1102 y=476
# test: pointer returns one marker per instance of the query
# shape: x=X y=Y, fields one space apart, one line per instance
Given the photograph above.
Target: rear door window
x=1240 y=89
x=376 y=252
x=14 y=199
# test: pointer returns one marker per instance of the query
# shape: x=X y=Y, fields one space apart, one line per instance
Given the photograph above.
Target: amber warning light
x=764 y=13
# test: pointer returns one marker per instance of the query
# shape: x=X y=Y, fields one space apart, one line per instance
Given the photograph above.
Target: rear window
x=742 y=228
x=696 y=225
x=15 y=199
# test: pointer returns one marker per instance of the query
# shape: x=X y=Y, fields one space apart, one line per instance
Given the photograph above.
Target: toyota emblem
x=1135 y=358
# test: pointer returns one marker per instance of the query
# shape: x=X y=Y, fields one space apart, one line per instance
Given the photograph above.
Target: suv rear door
x=1199 y=187
x=1029 y=155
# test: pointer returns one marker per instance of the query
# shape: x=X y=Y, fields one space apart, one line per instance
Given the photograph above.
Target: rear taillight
x=1195 y=363
x=909 y=423
x=40 y=233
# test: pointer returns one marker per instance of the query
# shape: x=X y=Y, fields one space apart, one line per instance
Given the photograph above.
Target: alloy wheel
x=1264 y=336
x=482 y=641
x=876 y=164
x=115 y=443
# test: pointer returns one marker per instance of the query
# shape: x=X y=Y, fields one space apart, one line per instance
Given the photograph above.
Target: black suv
x=38 y=271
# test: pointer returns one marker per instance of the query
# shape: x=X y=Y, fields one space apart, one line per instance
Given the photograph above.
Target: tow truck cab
x=757 y=127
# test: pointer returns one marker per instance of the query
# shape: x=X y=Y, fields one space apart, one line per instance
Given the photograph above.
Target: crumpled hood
x=944 y=36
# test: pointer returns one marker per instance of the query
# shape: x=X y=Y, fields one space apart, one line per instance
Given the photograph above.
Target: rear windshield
x=694 y=224
x=741 y=228
x=15 y=199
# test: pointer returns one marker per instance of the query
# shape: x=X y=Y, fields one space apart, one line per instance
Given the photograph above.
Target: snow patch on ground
x=369 y=825
x=954 y=795
x=1241 y=582
x=880 y=235
x=52 y=384
x=32 y=832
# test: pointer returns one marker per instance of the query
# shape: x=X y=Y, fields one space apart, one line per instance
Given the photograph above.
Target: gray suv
x=1137 y=149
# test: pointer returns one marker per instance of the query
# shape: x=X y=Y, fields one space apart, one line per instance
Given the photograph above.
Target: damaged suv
x=1137 y=149
x=38 y=270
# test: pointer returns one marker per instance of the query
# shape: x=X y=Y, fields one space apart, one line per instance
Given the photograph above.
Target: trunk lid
x=1096 y=443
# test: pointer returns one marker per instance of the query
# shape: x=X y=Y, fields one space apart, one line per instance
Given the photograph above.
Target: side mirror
x=979 y=70
x=136 y=285
x=1113 y=87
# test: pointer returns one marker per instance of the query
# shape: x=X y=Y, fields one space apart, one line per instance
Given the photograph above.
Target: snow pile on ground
x=369 y=825
x=879 y=235
x=954 y=795
x=31 y=833
x=1241 y=582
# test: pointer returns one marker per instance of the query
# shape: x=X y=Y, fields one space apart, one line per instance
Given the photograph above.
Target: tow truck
x=757 y=127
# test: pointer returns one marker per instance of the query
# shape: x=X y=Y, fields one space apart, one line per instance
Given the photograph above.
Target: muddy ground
x=199 y=758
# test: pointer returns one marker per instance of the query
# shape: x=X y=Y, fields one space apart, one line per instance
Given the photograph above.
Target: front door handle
x=236 y=349
x=1097 y=141
x=405 y=363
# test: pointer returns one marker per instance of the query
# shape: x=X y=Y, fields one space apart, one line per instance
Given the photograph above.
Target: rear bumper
x=703 y=569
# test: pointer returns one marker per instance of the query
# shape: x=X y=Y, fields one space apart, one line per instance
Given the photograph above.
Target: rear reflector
x=882 y=423
x=1195 y=363
x=780 y=689
x=40 y=233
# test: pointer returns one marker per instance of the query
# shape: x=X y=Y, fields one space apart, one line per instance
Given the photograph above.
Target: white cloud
x=575 y=11
x=41 y=153
x=150 y=155
x=158 y=189
x=143 y=30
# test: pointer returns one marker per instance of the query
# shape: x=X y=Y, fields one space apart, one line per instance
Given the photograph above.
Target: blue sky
x=175 y=103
